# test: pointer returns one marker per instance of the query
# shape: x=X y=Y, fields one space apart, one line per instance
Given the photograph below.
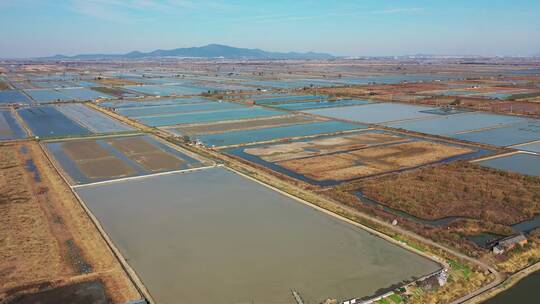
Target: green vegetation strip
x=464 y=269
x=409 y=243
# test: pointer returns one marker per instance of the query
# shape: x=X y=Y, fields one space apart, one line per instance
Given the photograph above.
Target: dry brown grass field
x=47 y=240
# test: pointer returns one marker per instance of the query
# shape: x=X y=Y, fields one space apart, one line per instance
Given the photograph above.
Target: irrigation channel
x=483 y=240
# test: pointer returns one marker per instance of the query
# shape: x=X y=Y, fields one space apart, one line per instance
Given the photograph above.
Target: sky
x=33 y=28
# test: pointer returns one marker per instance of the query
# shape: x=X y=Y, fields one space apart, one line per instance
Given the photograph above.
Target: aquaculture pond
x=13 y=96
x=497 y=95
x=167 y=90
x=522 y=132
x=452 y=124
x=525 y=291
x=393 y=79
x=91 y=119
x=238 y=241
x=533 y=147
x=149 y=103
x=524 y=163
x=237 y=125
x=47 y=95
x=278 y=84
x=376 y=113
x=87 y=84
x=83 y=94
x=195 y=117
x=298 y=106
x=267 y=134
x=9 y=126
x=318 y=82
x=457 y=93
x=95 y=160
x=46 y=121
x=287 y=99
x=177 y=108
x=52 y=84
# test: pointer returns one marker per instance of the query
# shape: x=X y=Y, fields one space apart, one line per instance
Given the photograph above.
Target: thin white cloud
x=398 y=10
x=333 y=14
x=123 y=10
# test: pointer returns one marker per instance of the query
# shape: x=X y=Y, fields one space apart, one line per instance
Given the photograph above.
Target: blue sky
x=341 y=27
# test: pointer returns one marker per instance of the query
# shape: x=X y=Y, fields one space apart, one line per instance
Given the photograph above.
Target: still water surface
x=213 y=236
x=523 y=292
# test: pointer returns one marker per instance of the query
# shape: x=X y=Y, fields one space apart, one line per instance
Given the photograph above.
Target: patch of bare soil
x=370 y=161
x=46 y=238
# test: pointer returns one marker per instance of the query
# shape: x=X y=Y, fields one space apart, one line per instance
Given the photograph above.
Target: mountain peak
x=207 y=51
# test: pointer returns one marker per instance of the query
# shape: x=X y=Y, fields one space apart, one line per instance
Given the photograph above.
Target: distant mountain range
x=208 y=51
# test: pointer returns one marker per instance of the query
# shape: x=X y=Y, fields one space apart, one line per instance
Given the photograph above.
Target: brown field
x=94 y=161
x=222 y=127
x=5 y=129
x=46 y=238
x=365 y=162
x=459 y=189
x=383 y=89
x=147 y=155
x=132 y=145
x=158 y=161
x=287 y=151
x=4 y=86
x=84 y=150
x=116 y=82
x=105 y=167
x=110 y=91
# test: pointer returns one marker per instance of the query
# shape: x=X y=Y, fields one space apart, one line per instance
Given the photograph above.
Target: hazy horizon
x=345 y=28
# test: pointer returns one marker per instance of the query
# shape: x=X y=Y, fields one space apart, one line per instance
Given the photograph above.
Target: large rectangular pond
x=297 y=106
x=47 y=121
x=167 y=90
x=267 y=134
x=13 y=96
x=9 y=126
x=83 y=94
x=213 y=236
x=533 y=147
x=120 y=104
x=523 y=132
x=47 y=95
x=91 y=119
x=393 y=79
x=287 y=99
x=174 y=109
x=195 y=117
x=376 y=113
x=95 y=160
x=451 y=124
x=528 y=164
